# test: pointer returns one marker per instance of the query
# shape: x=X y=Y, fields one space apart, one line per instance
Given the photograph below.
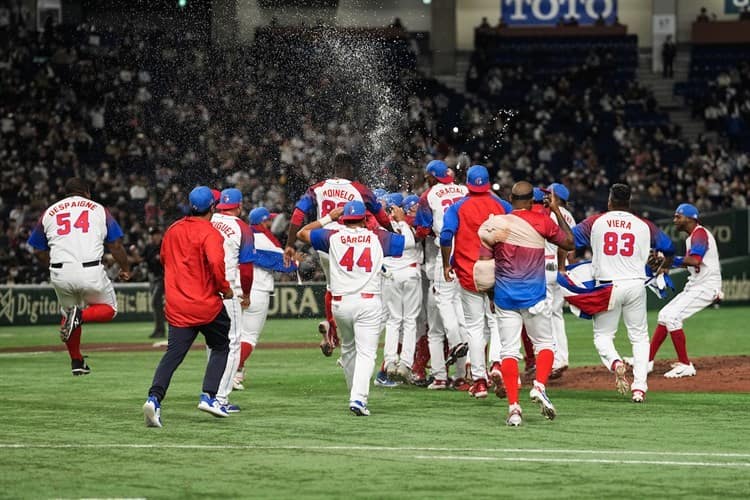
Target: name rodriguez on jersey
x=72 y=204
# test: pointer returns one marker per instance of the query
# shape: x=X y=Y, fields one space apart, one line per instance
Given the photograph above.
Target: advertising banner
x=550 y=12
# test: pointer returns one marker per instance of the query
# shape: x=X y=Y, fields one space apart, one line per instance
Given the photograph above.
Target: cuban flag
x=586 y=298
x=580 y=289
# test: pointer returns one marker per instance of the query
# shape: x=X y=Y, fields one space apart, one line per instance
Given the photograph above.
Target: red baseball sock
x=528 y=349
x=509 y=369
x=246 y=349
x=74 y=344
x=421 y=356
x=98 y=313
x=544 y=359
x=680 y=345
x=329 y=314
x=660 y=334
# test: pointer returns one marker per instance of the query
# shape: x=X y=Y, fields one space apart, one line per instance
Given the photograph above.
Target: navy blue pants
x=179 y=341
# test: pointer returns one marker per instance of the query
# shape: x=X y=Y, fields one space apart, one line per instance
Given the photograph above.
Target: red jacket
x=192 y=253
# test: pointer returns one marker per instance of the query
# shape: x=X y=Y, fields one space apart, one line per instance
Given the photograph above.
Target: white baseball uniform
x=238 y=249
x=356 y=258
x=620 y=244
x=446 y=319
x=704 y=284
x=555 y=296
x=74 y=231
x=402 y=294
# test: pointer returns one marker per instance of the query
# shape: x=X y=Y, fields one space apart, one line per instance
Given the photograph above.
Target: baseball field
x=84 y=437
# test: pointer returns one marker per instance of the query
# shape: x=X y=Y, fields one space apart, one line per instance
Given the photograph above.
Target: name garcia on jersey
x=347 y=239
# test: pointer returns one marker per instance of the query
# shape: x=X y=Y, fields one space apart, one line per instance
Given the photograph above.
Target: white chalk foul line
x=584 y=461
x=516 y=451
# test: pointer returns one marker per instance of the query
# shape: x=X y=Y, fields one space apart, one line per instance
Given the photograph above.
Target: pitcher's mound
x=714 y=374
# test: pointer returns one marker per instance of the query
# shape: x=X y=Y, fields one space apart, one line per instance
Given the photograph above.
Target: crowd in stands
x=145 y=116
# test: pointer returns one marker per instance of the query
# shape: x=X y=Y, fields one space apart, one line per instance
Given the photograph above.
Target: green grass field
x=84 y=437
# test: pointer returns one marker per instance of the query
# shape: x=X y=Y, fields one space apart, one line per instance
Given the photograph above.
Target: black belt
x=93 y=263
x=605 y=282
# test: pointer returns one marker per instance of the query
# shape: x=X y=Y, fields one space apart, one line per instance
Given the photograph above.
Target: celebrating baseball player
x=239 y=253
x=269 y=257
x=443 y=318
x=620 y=243
x=518 y=244
x=70 y=238
x=554 y=294
x=459 y=236
x=402 y=295
x=194 y=273
x=356 y=257
x=318 y=202
x=702 y=289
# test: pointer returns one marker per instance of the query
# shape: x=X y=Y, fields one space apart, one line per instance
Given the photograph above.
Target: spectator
x=703 y=16
x=668 y=53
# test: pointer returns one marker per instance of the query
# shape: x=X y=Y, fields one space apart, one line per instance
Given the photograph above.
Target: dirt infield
x=715 y=374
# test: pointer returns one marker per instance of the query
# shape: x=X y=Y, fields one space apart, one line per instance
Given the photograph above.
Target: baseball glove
x=655 y=260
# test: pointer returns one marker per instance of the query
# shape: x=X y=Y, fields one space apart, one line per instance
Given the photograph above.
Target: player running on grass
x=70 y=238
x=319 y=200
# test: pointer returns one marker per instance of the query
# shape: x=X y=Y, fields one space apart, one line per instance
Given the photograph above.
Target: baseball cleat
x=557 y=372
x=230 y=408
x=639 y=396
x=460 y=384
x=152 y=412
x=237 y=380
x=382 y=380
x=539 y=396
x=212 y=406
x=479 y=389
x=621 y=381
x=438 y=385
x=358 y=409
x=79 y=367
x=330 y=339
x=497 y=380
x=73 y=318
x=680 y=370
x=514 y=416
x=456 y=352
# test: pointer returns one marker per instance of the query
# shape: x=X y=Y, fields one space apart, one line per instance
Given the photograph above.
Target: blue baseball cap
x=560 y=190
x=379 y=193
x=230 y=198
x=478 y=179
x=353 y=211
x=539 y=194
x=394 y=199
x=687 y=210
x=410 y=201
x=439 y=170
x=259 y=215
x=201 y=199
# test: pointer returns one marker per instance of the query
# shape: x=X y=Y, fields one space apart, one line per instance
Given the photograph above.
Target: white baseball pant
x=686 y=303
x=481 y=326
x=358 y=322
x=76 y=285
x=254 y=317
x=628 y=299
x=556 y=301
x=510 y=323
x=402 y=294
x=234 y=310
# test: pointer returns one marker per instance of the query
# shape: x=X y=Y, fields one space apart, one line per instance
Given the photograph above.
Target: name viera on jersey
x=348 y=239
x=619 y=223
x=338 y=193
x=223 y=228
x=72 y=204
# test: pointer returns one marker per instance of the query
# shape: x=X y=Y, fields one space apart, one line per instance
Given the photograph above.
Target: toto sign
x=540 y=12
